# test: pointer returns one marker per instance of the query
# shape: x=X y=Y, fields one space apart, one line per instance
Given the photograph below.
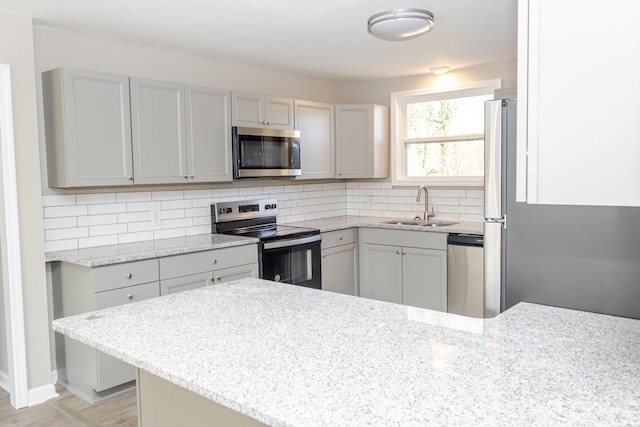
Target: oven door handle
x=291 y=242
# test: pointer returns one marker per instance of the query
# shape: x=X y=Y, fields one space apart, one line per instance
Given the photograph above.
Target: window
x=438 y=136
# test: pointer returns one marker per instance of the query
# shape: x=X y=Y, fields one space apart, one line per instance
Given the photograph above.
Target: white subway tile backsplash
x=90 y=242
x=134 y=217
x=62 y=211
x=198 y=194
x=97 y=220
x=135 y=237
x=143 y=206
x=107 y=208
x=200 y=229
x=167 y=195
x=84 y=220
x=66 y=233
x=176 y=204
x=177 y=223
x=60 y=245
x=167 y=234
x=133 y=197
x=59 y=200
x=64 y=222
x=106 y=230
x=95 y=199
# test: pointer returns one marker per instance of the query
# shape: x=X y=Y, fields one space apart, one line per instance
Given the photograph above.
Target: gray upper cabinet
x=362 y=141
x=158 y=132
x=87 y=128
x=180 y=133
x=261 y=111
x=315 y=121
x=208 y=133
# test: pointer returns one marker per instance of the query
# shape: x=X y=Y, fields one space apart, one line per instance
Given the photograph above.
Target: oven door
x=295 y=261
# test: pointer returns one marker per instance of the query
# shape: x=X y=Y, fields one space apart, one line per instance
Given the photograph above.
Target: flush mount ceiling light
x=400 y=24
x=440 y=69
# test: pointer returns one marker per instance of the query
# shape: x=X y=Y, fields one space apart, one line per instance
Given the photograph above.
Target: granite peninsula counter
x=290 y=356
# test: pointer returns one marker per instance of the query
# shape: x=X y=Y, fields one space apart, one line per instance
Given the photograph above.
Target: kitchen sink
x=419 y=222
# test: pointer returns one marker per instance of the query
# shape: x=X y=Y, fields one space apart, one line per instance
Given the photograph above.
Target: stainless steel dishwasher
x=465 y=274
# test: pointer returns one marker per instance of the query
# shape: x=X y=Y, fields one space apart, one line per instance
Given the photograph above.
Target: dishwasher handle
x=465 y=239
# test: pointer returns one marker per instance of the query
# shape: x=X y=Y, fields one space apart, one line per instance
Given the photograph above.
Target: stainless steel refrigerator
x=579 y=257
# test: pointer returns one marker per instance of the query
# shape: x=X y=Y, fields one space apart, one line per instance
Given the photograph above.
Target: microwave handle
x=291 y=242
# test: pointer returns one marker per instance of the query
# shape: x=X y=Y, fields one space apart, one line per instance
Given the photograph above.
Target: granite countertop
x=114 y=254
x=292 y=356
x=342 y=222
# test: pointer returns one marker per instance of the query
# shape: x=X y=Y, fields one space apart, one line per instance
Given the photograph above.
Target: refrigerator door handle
x=493 y=162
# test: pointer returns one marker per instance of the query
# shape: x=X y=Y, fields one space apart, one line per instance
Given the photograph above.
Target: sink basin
x=404 y=222
x=419 y=222
x=438 y=223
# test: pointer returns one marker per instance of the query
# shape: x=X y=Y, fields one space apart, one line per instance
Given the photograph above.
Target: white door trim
x=12 y=272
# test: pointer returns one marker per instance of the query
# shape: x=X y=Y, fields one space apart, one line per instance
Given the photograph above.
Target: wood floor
x=70 y=410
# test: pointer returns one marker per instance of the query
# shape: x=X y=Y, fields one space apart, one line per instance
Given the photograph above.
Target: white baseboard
x=42 y=394
x=4 y=382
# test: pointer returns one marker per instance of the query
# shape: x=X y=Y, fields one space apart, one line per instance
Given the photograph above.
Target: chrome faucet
x=427 y=215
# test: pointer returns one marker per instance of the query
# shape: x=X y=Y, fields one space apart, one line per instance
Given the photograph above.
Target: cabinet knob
x=404 y=253
x=218 y=279
x=130 y=296
x=186 y=177
x=264 y=122
x=215 y=261
x=129 y=275
x=211 y=279
x=340 y=238
x=398 y=252
x=191 y=176
x=130 y=177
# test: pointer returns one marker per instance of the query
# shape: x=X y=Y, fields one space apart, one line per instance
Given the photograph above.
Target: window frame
x=399 y=101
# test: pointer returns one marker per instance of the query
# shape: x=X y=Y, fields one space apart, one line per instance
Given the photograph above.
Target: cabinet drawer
x=126 y=274
x=407 y=238
x=126 y=295
x=200 y=262
x=184 y=283
x=235 y=273
x=331 y=239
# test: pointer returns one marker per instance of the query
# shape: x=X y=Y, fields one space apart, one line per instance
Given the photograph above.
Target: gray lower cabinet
x=194 y=270
x=87 y=128
x=340 y=261
x=85 y=371
x=404 y=267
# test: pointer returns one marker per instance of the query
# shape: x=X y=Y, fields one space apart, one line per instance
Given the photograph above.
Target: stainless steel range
x=286 y=254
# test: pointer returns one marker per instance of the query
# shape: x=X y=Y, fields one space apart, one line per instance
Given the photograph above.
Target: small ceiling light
x=400 y=24
x=440 y=69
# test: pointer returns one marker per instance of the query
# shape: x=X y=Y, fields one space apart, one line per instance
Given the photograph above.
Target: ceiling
x=325 y=39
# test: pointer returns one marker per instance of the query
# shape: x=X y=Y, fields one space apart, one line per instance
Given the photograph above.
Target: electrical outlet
x=156 y=221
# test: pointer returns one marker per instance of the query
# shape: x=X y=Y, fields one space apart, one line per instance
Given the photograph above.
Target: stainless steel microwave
x=265 y=152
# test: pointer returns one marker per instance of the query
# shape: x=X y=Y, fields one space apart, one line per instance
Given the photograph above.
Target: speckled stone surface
x=291 y=356
x=114 y=254
x=342 y=222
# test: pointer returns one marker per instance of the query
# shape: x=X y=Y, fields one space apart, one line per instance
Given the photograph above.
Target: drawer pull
x=130 y=296
x=340 y=238
x=129 y=275
x=215 y=261
x=218 y=279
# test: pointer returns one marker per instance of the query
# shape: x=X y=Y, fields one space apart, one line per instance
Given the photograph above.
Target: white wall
x=16 y=49
x=4 y=357
x=378 y=91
